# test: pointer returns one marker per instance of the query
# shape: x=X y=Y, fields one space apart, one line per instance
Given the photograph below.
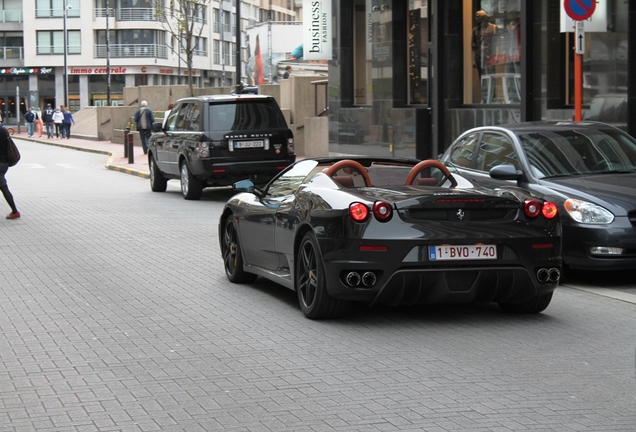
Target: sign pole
x=579 y=11
x=578 y=87
x=579 y=50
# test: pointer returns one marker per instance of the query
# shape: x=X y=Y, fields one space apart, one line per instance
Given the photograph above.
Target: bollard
x=131 y=150
x=126 y=133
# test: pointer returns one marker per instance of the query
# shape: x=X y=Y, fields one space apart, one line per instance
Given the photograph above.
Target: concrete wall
x=296 y=97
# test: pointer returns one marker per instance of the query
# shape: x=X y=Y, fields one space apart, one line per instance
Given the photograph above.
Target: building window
x=417 y=38
x=55 y=8
x=492 y=51
x=52 y=42
x=216 y=54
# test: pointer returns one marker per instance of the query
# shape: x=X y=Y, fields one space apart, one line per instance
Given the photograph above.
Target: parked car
x=391 y=231
x=588 y=169
x=218 y=140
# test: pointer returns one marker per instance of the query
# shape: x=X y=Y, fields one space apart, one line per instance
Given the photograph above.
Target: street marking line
x=606 y=292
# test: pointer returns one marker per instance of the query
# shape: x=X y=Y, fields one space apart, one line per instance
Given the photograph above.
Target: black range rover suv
x=219 y=140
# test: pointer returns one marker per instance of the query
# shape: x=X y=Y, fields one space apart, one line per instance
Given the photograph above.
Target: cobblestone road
x=115 y=315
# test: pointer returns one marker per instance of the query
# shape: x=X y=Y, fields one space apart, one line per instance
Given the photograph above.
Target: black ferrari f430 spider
x=392 y=231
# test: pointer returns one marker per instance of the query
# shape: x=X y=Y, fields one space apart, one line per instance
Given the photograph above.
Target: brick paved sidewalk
x=116 y=161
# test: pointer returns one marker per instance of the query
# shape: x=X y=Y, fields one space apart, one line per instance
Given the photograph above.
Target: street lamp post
x=107 y=54
x=66 y=8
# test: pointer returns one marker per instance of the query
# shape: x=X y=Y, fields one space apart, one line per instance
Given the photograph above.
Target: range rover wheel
x=535 y=305
x=315 y=301
x=191 y=187
x=158 y=183
x=231 y=253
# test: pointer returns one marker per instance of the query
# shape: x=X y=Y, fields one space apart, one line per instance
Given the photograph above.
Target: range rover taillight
x=203 y=149
x=291 y=150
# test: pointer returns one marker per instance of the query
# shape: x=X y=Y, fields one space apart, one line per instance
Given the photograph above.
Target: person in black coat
x=4 y=167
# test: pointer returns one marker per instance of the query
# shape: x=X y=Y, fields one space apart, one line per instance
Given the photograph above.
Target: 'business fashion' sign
x=317 y=22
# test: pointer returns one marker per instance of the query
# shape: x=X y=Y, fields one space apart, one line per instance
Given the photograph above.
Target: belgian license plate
x=462 y=252
x=249 y=144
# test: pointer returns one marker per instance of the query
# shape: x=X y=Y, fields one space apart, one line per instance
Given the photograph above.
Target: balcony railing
x=132 y=51
x=56 y=13
x=11 y=16
x=11 y=53
x=130 y=14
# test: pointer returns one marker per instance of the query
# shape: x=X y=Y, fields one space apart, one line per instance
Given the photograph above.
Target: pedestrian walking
x=58 y=120
x=68 y=121
x=144 y=119
x=38 y=122
x=4 y=167
x=29 y=117
x=47 y=117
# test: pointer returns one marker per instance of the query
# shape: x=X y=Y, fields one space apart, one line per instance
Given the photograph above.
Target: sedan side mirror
x=506 y=172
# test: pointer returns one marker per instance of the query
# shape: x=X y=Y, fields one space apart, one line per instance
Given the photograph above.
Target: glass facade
x=408 y=77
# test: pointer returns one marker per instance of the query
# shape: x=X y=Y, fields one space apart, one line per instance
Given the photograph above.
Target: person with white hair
x=144 y=119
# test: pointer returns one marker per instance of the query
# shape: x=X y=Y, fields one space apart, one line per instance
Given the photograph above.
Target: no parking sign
x=579 y=10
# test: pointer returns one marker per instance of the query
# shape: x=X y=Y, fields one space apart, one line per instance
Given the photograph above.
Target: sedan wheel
x=535 y=305
x=157 y=181
x=191 y=187
x=232 y=256
x=315 y=301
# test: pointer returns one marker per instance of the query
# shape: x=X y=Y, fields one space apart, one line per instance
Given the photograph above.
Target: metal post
x=126 y=133
x=107 y=54
x=238 y=83
x=66 y=8
x=131 y=150
x=17 y=107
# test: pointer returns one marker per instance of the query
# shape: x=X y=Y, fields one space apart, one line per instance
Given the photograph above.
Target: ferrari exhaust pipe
x=543 y=275
x=554 y=274
x=369 y=279
x=353 y=279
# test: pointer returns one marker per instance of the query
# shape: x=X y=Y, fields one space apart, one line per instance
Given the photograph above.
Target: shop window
x=492 y=51
x=418 y=38
x=362 y=52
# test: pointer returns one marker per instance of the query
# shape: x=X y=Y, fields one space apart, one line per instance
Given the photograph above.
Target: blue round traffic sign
x=579 y=10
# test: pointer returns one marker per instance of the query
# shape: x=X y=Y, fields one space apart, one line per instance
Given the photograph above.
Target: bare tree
x=184 y=20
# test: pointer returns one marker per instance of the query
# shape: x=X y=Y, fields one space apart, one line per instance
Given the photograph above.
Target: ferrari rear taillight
x=358 y=212
x=532 y=209
x=382 y=211
x=549 y=210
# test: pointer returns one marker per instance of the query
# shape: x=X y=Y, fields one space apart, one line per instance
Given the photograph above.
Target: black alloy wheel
x=232 y=256
x=191 y=187
x=158 y=183
x=315 y=301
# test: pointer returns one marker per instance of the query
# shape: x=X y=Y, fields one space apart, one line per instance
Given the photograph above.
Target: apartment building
x=112 y=44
